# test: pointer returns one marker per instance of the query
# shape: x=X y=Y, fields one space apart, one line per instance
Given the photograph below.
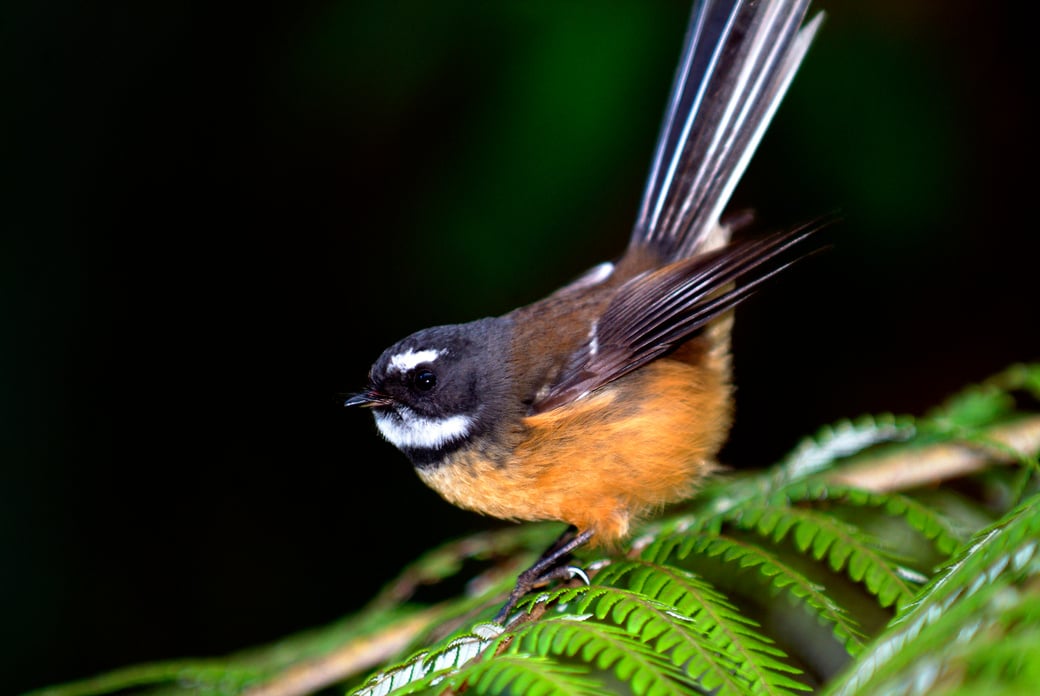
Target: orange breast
x=607 y=459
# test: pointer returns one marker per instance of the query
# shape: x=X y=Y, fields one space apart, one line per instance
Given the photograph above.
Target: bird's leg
x=551 y=565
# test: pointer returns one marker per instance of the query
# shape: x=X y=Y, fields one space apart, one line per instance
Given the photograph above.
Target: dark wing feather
x=737 y=62
x=653 y=313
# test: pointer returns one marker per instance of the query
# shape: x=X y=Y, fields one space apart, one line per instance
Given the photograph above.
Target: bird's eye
x=425 y=380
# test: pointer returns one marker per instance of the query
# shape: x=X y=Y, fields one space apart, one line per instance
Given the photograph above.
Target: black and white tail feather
x=738 y=60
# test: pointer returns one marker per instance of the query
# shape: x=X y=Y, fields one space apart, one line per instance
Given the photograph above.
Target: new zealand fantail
x=611 y=397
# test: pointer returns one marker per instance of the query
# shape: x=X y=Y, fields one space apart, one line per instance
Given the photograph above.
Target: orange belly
x=604 y=461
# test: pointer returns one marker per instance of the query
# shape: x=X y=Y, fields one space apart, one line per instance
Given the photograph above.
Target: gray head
x=435 y=390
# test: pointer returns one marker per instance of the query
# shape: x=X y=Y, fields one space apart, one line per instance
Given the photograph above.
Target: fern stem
x=918 y=467
x=349 y=659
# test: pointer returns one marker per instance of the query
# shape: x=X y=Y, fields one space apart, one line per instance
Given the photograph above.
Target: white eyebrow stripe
x=409 y=430
x=402 y=362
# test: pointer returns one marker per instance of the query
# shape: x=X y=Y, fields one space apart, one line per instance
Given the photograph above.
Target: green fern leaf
x=1011 y=543
x=1002 y=656
x=656 y=623
x=945 y=533
x=784 y=577
x=606 y=646
x=1025 y=377
x=525 y=674
x=952 y=605
x=973 y=636
x=759 y=663
x=982 y=404
x=847 y=547
x=974 y=407
x=839 y=441
x=428 y=666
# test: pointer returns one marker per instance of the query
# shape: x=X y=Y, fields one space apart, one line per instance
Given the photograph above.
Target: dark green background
x=215 y=217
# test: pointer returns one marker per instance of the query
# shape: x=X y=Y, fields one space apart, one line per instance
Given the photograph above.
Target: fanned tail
x=738 y=59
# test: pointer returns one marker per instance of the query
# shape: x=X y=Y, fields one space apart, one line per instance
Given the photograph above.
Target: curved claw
x=546 y=569
x=576 y=572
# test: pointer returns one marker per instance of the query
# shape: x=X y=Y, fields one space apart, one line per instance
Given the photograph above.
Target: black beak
x=367 y=399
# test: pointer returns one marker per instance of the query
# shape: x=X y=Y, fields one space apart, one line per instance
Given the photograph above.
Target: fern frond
x=839 y=441
x=1011 y=545
x=942 y=531
x=846 y=547
x=973 y=407
x=780 y=575
x=982 y=404
x=1002 y=658
x=525 y=674
x=427 y=666
x=1019 y=377
x=966 y=415
x=760 y=665
x=969 y=632
x=952 y=605
x=608 y=647
x=202 y=677
x=687 y=642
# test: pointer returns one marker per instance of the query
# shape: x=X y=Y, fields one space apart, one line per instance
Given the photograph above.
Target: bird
x=610 y=398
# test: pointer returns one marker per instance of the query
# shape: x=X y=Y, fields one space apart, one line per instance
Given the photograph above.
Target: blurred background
x=215 y=218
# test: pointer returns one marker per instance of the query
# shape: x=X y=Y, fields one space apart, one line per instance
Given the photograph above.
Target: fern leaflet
x=1006 y=553
x=607 y=647
x=687 y=643
x=525 y=674
x=844 y=545
x=781 y=576
x=759 y=663
x=946 y=534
